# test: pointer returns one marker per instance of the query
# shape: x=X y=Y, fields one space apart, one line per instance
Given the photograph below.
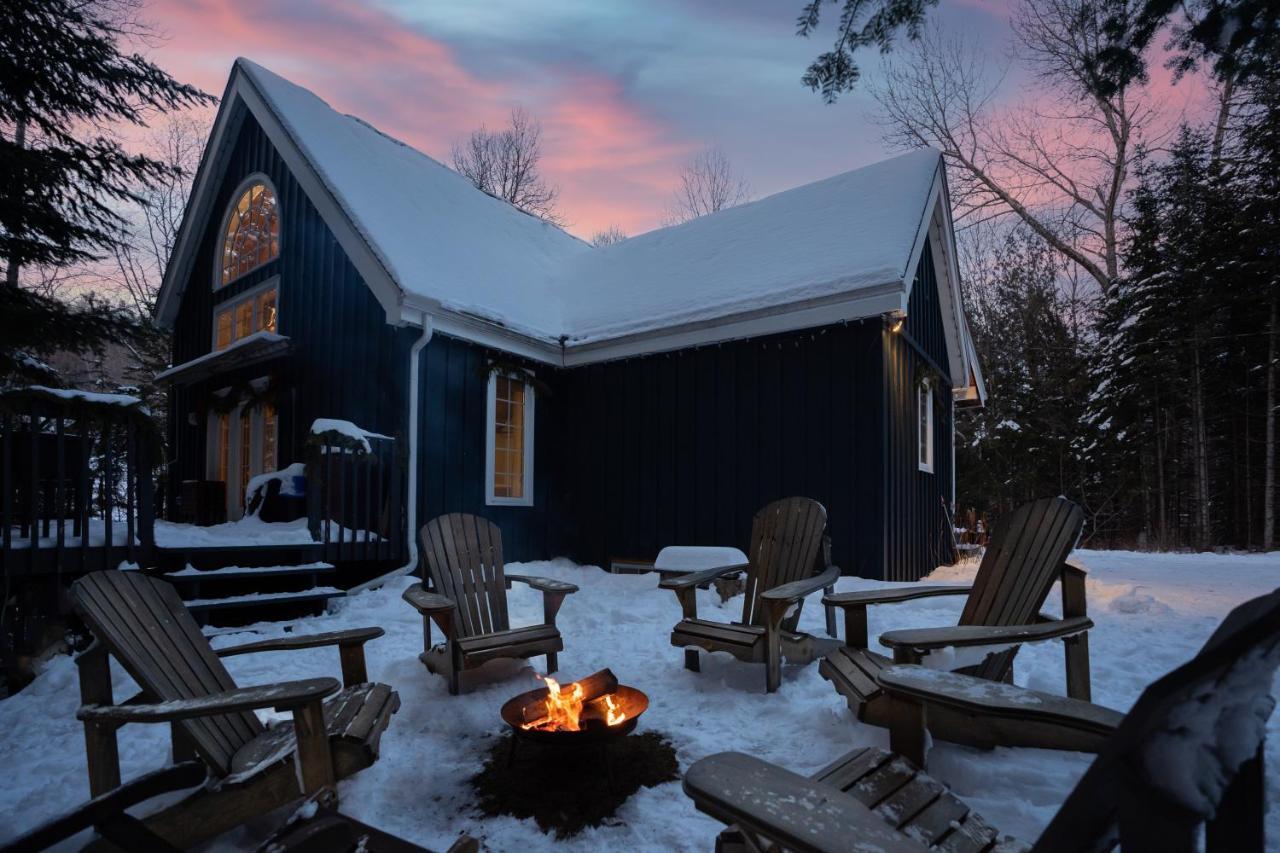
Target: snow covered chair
x=788 y=559
x=469 y=603
x=1189 y=754
x=252 y=770
x=1027 y=554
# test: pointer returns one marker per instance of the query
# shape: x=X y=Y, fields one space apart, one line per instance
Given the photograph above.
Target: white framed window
x=924 y=420
x=508 y=460
x=255 y=310
x=250 y=231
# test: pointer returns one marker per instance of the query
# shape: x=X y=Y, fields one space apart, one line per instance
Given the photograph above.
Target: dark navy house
x=594 y=402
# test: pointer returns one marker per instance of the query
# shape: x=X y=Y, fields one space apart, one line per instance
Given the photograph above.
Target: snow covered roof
x=428 y=243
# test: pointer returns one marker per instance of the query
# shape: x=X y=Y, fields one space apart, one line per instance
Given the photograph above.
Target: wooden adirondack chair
x=1026 y=555
x=1189 y=753
x=789 y=559
x=143 y=623
x=325 y=831
x=469 y=602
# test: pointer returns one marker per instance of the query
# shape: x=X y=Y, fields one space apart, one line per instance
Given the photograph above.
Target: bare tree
x=708 y=182
x=608 y=236
x=140 y=259
x=1060 y=164
x=504 y=164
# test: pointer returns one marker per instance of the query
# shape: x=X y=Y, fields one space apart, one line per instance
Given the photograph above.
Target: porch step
x=258 y=600
x=191 y=574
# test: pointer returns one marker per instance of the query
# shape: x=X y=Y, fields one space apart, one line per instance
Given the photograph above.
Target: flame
x=613 y=716
x=564 y=707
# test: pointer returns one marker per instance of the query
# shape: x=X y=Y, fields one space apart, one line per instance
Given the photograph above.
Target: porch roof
x=251 y=349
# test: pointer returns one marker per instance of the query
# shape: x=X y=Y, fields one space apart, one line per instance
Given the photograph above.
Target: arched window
x=252 y=234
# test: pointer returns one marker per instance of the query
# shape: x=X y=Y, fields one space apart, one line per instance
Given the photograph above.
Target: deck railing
x=355 y=490
x=77 y=480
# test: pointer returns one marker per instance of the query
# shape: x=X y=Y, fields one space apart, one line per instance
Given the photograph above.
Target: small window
x=253 y=312
x=251 y=237
x=924 y=416
x=509 y=441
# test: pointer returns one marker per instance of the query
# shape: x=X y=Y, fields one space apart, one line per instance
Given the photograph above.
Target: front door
x=242 y=445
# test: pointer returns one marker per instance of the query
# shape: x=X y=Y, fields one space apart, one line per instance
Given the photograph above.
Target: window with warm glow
x=252 y=234
x=509 y=441
x=924 y=413
x=254 y=312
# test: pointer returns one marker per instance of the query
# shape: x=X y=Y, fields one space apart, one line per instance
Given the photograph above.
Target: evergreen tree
x=63 y=81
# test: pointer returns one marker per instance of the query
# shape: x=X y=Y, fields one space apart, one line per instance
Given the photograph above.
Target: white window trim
x=272 y=283
x=925 y=442
x=255 y=178
x=490 y=432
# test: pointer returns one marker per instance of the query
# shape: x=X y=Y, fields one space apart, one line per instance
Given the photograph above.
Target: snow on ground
x=1153 y=611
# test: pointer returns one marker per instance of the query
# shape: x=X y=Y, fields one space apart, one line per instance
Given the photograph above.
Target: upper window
x=251 y=312
x=509 y=441
x=252 y=235
x=924 y=415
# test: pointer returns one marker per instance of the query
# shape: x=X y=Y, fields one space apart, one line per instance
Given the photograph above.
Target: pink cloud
x=614 y=161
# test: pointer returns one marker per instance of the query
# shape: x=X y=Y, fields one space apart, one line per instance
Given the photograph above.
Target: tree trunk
x=1200 y=451
x=1162 y=500
x=19 y=140
x=1269 y=489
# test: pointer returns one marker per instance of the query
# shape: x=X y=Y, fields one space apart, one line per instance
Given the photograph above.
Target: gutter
x=411 y=510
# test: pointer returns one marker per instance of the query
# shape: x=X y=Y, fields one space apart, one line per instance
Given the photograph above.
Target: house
x=594 y=402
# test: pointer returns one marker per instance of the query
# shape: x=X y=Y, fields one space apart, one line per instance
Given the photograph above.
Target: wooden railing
x=355 y=507
x=77 y=483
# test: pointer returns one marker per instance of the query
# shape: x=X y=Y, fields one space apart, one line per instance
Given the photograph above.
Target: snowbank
x=419 y=787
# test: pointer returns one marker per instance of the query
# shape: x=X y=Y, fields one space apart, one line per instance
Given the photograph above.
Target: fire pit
x=593 y=710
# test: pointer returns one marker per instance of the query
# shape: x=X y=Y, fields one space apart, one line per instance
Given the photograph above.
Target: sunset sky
x=626 y=91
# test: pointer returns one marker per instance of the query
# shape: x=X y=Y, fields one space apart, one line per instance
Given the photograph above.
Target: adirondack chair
x=1189 y=754
x=789 y=559
x=469 y=602
x=1026 y=555
x=142 y=622
x=325 y=831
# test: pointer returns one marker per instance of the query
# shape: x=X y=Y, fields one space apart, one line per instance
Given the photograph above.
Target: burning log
x=583 y=701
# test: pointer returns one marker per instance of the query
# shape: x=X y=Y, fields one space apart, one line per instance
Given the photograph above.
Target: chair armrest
x=925 y=639
x=305 y=641
x=285 y=696
x=175 y=777
x=427 y=603
x=971 y=695
x=543 y=584
x=787 y=809
x=797 y=590
x=693 y=579
x=890 y=596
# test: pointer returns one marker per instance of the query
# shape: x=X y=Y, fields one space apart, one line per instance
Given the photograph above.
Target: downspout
x=411 y=507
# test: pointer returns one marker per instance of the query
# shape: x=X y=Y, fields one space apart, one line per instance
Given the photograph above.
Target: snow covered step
x=240 y=572
x=266 y=599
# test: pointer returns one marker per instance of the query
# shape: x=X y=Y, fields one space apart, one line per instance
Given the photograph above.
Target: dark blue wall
x=346 y=361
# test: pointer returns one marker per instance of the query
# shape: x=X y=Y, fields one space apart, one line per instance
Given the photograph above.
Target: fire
x=565 y=709
x=612 y=715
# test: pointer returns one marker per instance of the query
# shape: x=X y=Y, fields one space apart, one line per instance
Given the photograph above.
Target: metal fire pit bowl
x=633 y=702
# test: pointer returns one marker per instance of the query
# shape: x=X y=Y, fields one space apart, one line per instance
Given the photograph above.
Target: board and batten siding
x=685 y=447
x=916 y=527
x=346 y=361
x=452 y=391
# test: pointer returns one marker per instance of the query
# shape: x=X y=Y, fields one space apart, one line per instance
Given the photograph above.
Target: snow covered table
x=682 y=559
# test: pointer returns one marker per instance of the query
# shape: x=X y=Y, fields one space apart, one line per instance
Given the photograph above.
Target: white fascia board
x=867 y=302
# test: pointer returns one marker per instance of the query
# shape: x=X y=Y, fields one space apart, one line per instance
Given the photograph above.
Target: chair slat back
x=1177 y=758
x=786 y=538
x=148 y=629
x=1018 y=569
x=464 y=556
